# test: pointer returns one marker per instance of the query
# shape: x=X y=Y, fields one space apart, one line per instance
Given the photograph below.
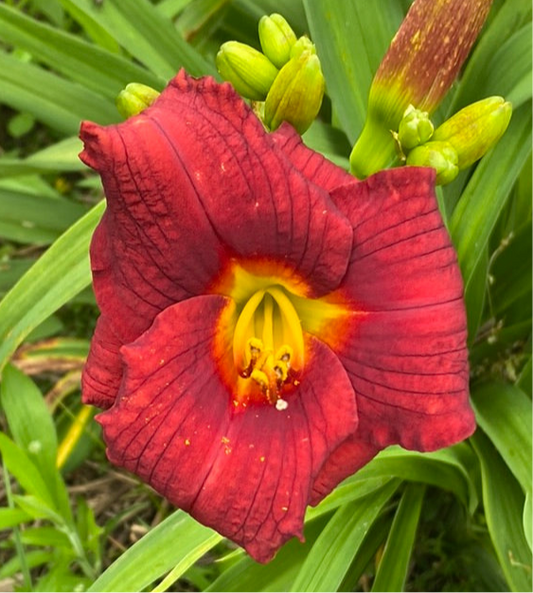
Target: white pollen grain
x=281 y=405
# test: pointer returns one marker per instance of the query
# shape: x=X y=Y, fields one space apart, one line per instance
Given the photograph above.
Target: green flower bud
x=296 y=95
x=475 y=129
x=423 y=60
x=277 y=39
x=303 y=44
x=439 y=155
x=136 y=97
x=248 y=70
x=415 y=128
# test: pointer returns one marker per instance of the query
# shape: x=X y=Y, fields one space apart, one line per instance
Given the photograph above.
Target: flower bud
x=439 y=155
x=277 y=39
x=419 y=67
x=248 y=70
x=136 y=97
x=297 y=92
x=415 y=128
x=475 y=129
x=303 y=44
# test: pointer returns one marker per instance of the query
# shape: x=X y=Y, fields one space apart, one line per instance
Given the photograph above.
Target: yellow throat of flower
x=263 y=341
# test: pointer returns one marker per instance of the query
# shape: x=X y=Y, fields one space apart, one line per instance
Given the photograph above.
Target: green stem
x=373 y=151
x=16 y=534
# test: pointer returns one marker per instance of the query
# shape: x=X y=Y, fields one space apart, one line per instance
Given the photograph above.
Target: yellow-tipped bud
x=439 y=155
x=474 y=130
x=303 y=44
x=277 y=39
x=296 y=94
x=136 y=97
x=248 y=70
x=415 y=128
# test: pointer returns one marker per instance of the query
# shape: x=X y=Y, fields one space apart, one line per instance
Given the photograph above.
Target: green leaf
x=177 y=541
x=451 y=469
x=33 y=559
x=351 y=39
x=487 y=191
x=61 y=273
x=24 y=470
x=171 y=8
x=394 y=564
x=33 y=430
x=277 y=575
x=29 y=421
x=511 y=17
x=329 y=141
x=351 y=489
x=504 y=413
x=333 y=552
x=93 y=67
x=62 y=156
x=503 y=502
x=140 y=28
x=528 y=519
x=510 y=68
x=511 y=273
x=12 y=517
x=52 y=100
x=27 y=218
x=475 y=296
x=45 y=536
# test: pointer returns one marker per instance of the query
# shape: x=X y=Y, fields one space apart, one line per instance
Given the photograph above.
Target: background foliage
x=454 y=520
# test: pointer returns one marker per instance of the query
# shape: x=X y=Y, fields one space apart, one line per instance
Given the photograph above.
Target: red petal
x=349 y=457
x=312 y=164
x=406 y=355
x=191 y=182
x=247 y=473
x=103 y=371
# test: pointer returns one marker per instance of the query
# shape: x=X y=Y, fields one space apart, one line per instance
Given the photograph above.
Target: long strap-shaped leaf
x=53 y=100
x=93 y=67
x=334 y=550
x=60 y=274
x=485 y=195
x=503 y=501
x=352 y=37
x=178 y=541
x=394 y=564
x=141 y=29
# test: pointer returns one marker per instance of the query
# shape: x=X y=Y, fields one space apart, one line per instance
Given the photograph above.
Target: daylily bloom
x=268 y=323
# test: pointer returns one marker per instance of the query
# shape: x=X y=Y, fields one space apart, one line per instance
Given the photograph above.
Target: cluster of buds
x=458 y=142
x=285 y=79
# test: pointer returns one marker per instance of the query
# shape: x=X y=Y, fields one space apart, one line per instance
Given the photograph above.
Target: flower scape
x=268 y=322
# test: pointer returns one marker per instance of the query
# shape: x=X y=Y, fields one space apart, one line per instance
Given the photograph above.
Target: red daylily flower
x=268 y=322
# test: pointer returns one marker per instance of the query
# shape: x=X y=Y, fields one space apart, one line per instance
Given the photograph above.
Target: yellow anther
x=281 y=370
x=261 y=379
x=284 y=354
x=255 y=348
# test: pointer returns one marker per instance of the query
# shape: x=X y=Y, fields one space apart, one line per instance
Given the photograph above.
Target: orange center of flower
x=268 y=342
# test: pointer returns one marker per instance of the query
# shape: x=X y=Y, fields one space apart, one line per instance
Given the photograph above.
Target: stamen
x=274 y=360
